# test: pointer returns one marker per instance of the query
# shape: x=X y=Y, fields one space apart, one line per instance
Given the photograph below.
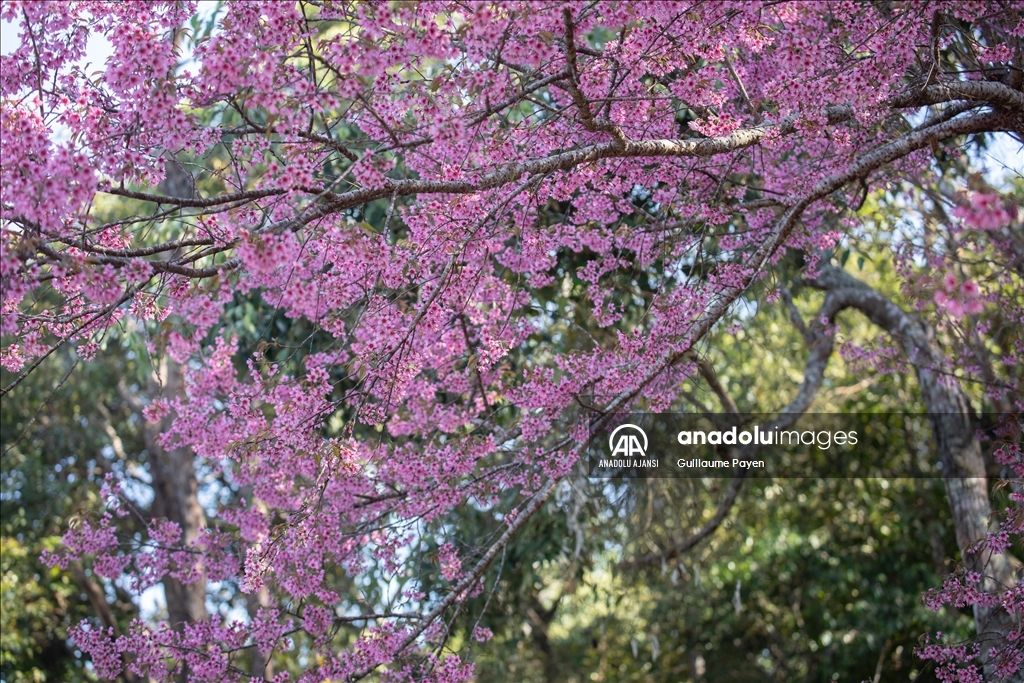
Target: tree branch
x=991 y=92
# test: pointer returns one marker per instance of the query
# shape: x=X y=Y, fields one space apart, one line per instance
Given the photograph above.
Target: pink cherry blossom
x=407 y=182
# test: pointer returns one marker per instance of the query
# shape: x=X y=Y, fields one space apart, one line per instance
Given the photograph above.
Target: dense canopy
x=371 y=271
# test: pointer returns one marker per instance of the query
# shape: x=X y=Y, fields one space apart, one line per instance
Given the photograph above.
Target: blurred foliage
x=808 y=579
x=39 y=605
x=57 y=446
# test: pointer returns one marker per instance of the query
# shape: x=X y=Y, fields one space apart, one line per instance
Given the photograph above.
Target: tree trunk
x=957 y=448
x=175 y=496
x=262 y=667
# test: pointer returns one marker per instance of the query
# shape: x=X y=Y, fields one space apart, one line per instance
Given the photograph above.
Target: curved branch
x=709 y=528
x=957 y=447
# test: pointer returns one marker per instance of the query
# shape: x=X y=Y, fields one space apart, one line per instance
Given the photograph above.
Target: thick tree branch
x=976 y=91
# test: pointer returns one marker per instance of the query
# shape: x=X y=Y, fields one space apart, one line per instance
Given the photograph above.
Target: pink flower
x=984 y=201
x=985 y=212
x=974 y=306
x=316 y=620
x=449 y=560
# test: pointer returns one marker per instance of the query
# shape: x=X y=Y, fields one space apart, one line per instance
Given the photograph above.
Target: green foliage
x=808 y=579
x=56 y=437
x=39 y=605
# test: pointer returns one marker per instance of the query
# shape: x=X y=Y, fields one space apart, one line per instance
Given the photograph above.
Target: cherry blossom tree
x=401 y=179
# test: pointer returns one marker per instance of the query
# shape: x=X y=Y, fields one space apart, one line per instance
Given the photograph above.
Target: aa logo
x=628 y=444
